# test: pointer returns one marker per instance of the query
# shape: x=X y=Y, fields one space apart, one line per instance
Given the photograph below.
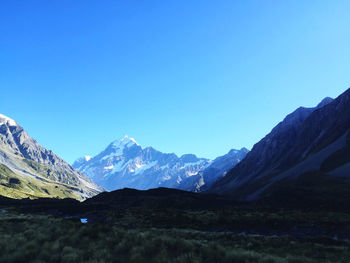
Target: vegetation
x=167 y=225
x=42 y=238
x=15 y=186
x=49 y=230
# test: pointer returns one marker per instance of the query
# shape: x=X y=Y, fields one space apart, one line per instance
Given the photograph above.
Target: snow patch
x=126 y=141
x=108 y=167
x=146 y=167
x=6 y=120
x=138 y=165
x=193 y=164
x=119 y=146
x=166 y=177
x=120 y=166
x=117 y=152
x=179 y=179
x=190 y=173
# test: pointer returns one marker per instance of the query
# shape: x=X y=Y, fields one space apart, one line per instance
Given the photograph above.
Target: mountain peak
x=244 y=149
x=324 y=102
x=118 y=146
x=87 y=158
x=125 y=141
x=81 y=161
x=6 y=120
x=189 y=158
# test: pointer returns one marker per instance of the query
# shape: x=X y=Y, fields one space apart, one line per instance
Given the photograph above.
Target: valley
x=285 y=201
x=166 y=225
x=174 y=131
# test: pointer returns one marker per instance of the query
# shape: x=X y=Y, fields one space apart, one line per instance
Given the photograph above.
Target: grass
x=144 y=235
x=167 y=225
x=41 y=238
x=16 y=186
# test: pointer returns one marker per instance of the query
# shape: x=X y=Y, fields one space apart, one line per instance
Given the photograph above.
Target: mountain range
x=306 y=156
x=29 y=170
x=124 y=163
x=303 y=160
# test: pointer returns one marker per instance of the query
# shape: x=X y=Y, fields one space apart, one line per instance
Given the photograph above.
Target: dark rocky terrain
x=306 y=155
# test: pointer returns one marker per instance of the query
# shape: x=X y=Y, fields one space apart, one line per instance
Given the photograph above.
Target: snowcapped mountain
x=124 y=163
x=29 y=170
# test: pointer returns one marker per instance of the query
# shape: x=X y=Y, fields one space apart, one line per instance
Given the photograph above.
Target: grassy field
x=139 y=235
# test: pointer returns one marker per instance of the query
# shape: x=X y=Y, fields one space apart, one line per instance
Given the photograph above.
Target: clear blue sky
x=182 y=76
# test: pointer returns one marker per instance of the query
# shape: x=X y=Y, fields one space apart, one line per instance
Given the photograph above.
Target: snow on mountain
x=81 y=161
x=124 y=163
x=6 y=120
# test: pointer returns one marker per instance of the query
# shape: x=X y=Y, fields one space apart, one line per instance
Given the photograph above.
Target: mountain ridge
x=124 y=163
x=296 y=146
x=35 y=165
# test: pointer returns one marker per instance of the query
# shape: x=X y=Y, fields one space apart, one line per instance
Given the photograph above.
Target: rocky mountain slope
x=29 y=170
x=305 y=154
x=217 y=169
x=124 y=163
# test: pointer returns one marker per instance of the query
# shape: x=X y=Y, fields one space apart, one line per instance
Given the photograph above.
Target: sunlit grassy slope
x=15 y=186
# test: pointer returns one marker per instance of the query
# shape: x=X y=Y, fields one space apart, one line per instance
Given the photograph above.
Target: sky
x=198 y=77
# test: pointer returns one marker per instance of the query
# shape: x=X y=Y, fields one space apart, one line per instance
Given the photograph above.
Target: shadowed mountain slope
x=310 y=147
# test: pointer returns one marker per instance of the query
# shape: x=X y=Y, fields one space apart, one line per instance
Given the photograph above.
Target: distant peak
x=87 y=158
x=324 y=102
x=6 y=120
x=244 y=149
x=125 y=141
x=189 y=157
x=83 y=159
x=128 y=139
x=235 y=151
